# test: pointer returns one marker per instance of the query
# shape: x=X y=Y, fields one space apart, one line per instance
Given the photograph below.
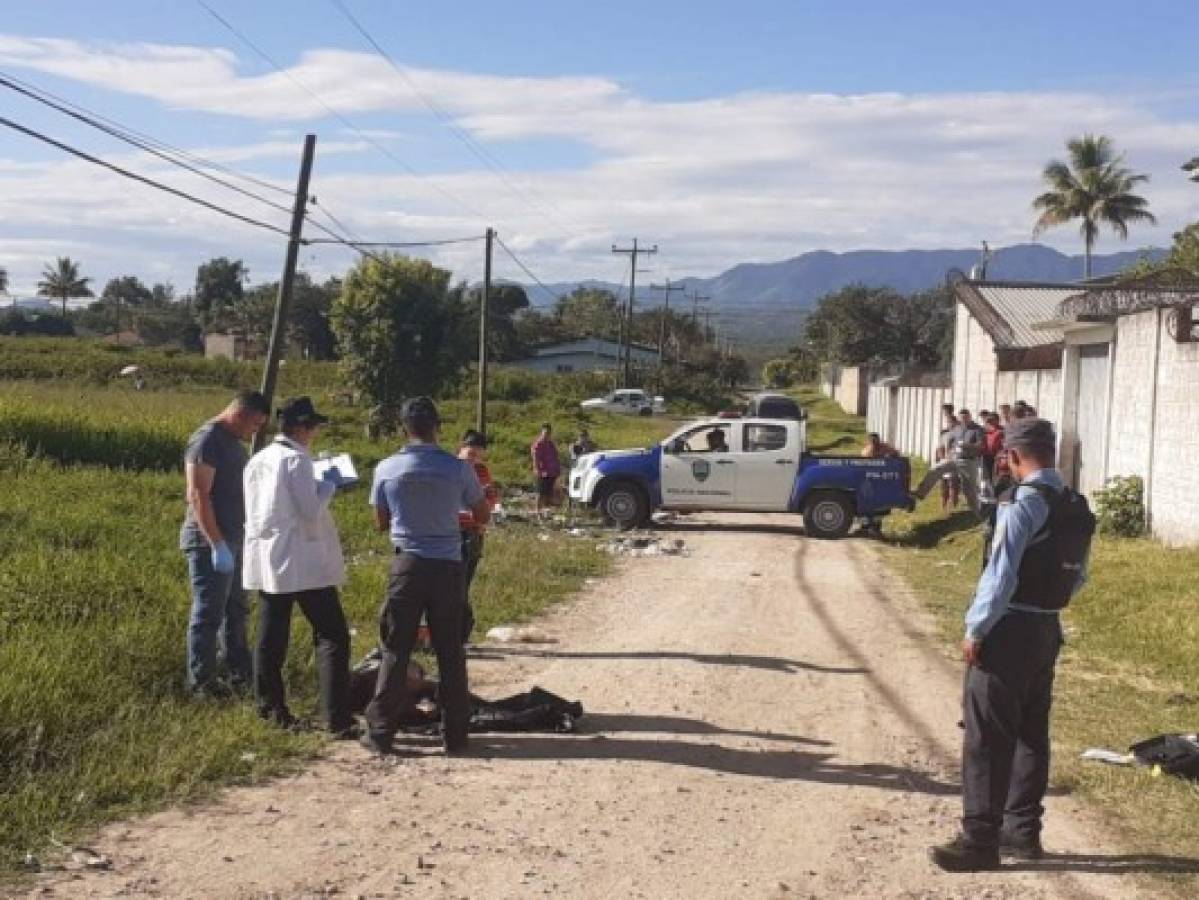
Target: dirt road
x=767 y=717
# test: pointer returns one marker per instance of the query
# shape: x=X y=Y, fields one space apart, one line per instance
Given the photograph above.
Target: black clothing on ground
x=536 y=710
x=1005 y=753
x=434 y=588
x=331 y=638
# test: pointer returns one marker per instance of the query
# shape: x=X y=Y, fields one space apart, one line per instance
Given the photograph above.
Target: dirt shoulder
x=767 y=717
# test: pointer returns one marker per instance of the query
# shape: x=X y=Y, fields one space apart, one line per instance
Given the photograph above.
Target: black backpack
x=1054 y=560
x=1177 y=754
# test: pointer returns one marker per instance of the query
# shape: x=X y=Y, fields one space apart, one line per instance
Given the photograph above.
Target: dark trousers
x=434 y=588
x=331 y=638
x=472 y=555
x=1005 y=754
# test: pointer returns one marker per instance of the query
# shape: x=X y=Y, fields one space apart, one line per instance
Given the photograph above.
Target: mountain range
x=763 y=303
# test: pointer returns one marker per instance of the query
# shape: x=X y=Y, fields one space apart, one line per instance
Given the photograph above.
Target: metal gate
x=1092 y=417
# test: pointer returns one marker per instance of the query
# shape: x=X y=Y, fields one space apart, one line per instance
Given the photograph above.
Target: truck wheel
x=828 y=515
x=624 y=505
x=645 y=411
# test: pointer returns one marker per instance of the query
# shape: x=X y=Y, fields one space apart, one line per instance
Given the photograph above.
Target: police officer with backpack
x=1037 y=562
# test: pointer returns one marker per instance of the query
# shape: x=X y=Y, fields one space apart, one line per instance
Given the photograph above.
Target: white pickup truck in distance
x=751 y=465
x=630 y=401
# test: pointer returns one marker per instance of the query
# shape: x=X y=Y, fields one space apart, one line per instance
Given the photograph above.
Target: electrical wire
x=433 y=243
x=120 y=135
x=225 y=23
x=127 y=132
x=66 y=148
x=516 y=259
x=447 y=119
x=147 y=144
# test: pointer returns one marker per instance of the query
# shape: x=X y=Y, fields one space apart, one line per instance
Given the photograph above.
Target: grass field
x=93 y=598
x=1130 y=668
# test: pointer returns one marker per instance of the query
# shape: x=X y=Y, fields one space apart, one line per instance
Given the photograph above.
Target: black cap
x=1035 y=433
x=420 y=411
x=474 y=438
x=300 y=411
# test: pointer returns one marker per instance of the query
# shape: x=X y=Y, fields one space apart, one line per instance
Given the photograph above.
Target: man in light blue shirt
x=417 y=494
x=1013 y=635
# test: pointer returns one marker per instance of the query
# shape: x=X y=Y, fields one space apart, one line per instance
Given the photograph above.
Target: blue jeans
x=218 y=621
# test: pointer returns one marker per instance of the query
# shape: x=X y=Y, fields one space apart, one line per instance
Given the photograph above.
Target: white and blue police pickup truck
x=747 y=465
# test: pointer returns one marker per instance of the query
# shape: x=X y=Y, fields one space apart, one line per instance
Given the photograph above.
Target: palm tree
x=1096 y=187
x=62 y=280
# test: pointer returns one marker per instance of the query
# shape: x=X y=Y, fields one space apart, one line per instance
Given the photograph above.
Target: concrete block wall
x=1174 y=512
x=975 y=364
x=907 y=418
x=849 y=386
x=1132 y=394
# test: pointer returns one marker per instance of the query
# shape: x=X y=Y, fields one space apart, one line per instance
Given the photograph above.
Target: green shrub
x=1120 y=507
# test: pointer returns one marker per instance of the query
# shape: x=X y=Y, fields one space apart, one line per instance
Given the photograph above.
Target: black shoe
x=959 y=855
x=1028 y=849
x=376 y=744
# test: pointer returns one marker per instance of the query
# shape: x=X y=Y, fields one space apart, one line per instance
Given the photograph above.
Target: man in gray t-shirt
x=962 y=443
x=211 y=538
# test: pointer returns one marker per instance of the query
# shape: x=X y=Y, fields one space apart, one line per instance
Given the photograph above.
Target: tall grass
x=94 y=721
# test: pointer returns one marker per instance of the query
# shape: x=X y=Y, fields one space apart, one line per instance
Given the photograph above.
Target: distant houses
x=586 y=355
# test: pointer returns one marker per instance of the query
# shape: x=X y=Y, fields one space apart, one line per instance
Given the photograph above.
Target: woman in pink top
x=547 y=467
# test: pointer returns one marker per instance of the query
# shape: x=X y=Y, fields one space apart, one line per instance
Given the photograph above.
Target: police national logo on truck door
x=701 y=469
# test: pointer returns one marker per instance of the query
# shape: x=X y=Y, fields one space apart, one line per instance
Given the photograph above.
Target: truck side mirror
x=675 y=447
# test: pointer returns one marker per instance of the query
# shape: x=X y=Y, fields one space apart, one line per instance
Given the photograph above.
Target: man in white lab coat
x=293 y=556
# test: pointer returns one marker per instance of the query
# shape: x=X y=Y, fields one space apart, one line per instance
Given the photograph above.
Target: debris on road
x=645 y=546
x=511 y=634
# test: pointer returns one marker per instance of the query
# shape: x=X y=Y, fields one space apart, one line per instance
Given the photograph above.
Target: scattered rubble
x=525 y=634
x=645 y=546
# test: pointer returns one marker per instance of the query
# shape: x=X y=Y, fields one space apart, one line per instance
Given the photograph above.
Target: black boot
x=960 y=855
x=1018 y=847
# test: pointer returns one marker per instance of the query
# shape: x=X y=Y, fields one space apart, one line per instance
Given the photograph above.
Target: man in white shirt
x=293 y=556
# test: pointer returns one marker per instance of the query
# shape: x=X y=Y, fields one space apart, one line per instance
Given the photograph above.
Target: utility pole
x=633 y=252
x=696 y=299
x=707 y=325
x=484 y=315
x=287 y=282
x=667 y=289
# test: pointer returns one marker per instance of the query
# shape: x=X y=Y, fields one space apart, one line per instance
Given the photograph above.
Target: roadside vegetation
x=1130 y=667
x=94 y=722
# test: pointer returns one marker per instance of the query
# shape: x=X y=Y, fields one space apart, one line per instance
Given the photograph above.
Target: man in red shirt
x=547 y=467
x=473 y=450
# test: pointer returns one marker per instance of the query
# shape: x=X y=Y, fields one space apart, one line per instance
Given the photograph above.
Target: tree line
x=398 y=325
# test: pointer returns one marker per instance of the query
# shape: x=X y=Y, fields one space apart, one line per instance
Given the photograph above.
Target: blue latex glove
x=222 y=559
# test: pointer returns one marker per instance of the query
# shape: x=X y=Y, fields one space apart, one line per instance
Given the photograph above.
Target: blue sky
x=725 y=132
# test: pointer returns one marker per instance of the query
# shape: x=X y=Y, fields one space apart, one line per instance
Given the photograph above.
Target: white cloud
x=715 y=181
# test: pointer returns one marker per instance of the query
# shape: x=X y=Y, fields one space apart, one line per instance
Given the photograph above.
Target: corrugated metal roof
x=1019 y=307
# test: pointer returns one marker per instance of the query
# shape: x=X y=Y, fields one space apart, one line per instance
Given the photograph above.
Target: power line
x=447 y=119
x=145 y=143
x=126 y=131
x=8 y=123
x=516 y=259
x=433 y=243
x=337 y=223
x=120 y=135
x=225 y=23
